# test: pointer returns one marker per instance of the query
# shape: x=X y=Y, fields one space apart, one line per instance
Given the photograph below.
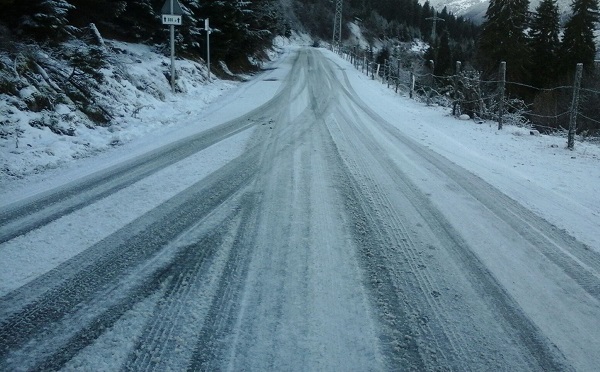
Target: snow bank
x=138 y=94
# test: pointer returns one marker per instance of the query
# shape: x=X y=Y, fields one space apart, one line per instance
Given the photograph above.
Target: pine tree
x=44 y=20
x=545 y=42
x=443 y=62
x=503 y=38
x=578 y=44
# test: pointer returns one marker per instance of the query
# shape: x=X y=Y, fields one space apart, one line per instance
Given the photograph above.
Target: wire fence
x=565 y=108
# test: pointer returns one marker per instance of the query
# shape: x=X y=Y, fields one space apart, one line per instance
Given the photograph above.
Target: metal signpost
x=208 y=31
x=171 y=15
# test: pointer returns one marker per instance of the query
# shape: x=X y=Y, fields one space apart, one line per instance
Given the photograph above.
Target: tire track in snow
x=573 y=257
x=212 y=340
x=165 y=342
x=71 y=285
x=374 y=206
x=37 y=211
x=281 y=313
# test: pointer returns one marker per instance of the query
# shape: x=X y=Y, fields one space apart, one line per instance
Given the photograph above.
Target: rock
x=534 y=132
x=464 y=117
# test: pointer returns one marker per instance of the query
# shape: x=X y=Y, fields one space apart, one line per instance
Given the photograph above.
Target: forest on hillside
x=240 y=28
x=540 y=51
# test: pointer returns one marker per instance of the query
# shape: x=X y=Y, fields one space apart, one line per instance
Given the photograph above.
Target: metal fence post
x=574 y=106
x=502 y=88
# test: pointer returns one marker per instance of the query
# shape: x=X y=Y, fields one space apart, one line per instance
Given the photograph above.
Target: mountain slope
x=475 y=9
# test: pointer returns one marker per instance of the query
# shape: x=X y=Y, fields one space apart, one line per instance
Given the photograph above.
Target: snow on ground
x=537 y=171
x=142 y=103
x=36 y=155
x=358 y=36
x=188 y=115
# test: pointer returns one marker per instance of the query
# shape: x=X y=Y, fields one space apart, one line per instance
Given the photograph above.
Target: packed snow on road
x=307 y=219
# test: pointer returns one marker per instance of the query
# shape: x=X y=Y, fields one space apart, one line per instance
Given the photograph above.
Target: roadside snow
x=31 y=255
x=138 y=95
x=537 y=171
x=37 y=159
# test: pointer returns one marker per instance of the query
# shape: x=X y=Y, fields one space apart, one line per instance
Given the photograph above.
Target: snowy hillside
x=136 y=93
x=475 y=9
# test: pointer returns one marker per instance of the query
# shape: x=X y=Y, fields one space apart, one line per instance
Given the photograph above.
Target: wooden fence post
x=397 y=74
x=574 y=107
x=502 y=88
x=456 y=94
x=431 y=85
x=388 y=72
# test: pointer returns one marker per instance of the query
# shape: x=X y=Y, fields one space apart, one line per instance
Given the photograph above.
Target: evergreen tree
x=443 y=62
x=241 y=28
x=503 y=38
x=578 y=45
x=140 y=21
x=44 y=20
x=545 y=42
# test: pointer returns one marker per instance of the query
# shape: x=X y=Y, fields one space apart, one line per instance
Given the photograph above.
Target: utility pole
x=435 y=18
x=337 y=24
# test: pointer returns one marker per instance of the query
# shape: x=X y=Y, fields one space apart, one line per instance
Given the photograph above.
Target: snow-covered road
x=308 y=233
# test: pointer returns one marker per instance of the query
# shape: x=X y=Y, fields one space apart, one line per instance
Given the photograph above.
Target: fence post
x=456 y=94
x=431 y=84
x=412 y=84
x=387 y=72
x=502 y=88
x=397 y=74
x=574 y=106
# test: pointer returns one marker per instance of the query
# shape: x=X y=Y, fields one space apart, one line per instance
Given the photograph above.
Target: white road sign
x=171 y=19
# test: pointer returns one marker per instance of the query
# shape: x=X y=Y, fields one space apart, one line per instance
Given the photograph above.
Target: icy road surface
x=306 y=234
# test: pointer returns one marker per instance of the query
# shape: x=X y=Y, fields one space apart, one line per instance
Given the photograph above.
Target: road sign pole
x=171 y=15
x=172 y=31
x=207 y=27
